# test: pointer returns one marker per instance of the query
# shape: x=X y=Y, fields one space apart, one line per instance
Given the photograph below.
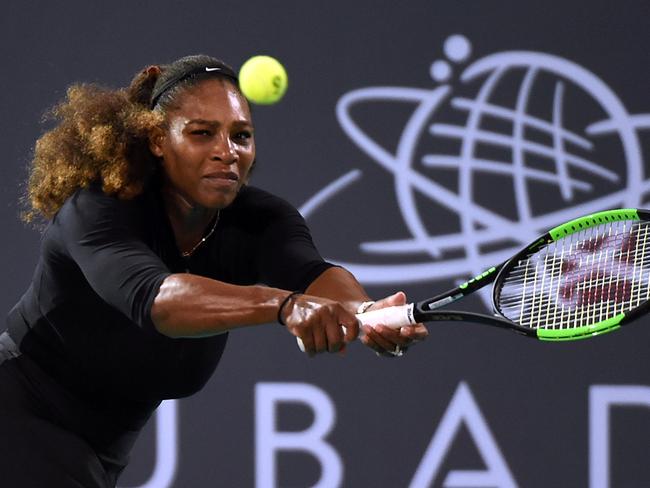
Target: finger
x=351 y=329
x=393 y=300
x=417 y=332
x=398 y=298
x=308 y=343
x=381 y=351
x=394 y=336
x=335 y=338
x=320 y=339
x=368 y=340
x=379 y=337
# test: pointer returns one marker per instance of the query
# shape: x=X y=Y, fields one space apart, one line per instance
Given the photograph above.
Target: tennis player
x=153 y=251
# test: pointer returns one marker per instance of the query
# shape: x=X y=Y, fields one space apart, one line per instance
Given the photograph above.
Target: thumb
x=393 y=300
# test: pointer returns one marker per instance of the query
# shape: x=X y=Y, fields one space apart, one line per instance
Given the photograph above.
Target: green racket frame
x=427 y=310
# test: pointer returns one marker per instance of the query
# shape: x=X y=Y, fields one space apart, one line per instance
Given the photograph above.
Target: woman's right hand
x=319 y=323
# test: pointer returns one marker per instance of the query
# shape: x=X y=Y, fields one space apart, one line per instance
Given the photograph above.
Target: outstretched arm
x=193 y=306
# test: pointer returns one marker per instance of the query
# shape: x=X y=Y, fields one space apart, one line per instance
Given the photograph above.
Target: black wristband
x=284 y=303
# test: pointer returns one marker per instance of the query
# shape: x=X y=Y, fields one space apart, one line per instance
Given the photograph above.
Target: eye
x=243 y=136
x=200 y=132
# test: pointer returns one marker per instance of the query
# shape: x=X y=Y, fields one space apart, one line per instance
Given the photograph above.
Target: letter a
x=463 y=408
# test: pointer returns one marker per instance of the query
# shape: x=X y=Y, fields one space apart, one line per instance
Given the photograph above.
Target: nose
x=224 y=150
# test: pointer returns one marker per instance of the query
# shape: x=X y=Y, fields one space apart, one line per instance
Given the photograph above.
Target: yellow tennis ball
x=263 y=80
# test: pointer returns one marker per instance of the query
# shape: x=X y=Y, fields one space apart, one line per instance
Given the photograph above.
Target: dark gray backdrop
x=533 y=398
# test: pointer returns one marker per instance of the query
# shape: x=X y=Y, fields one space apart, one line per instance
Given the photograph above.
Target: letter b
x=268 y=440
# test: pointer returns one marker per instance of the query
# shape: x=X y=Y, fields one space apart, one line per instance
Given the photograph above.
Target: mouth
x=222 y=178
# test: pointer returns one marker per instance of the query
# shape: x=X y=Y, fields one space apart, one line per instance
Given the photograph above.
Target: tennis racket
x=581 y=279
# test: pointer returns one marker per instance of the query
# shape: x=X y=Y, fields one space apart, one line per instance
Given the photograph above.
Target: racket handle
x=394 y=317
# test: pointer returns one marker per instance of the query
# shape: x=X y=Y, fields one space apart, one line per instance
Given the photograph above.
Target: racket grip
x=394 y=317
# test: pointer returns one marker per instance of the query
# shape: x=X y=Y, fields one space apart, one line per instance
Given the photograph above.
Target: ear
x=156 y=139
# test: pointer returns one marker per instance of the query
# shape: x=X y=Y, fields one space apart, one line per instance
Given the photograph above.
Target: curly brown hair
x=102 y=135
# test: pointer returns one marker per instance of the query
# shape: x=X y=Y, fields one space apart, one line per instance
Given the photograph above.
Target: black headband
x=184 y=75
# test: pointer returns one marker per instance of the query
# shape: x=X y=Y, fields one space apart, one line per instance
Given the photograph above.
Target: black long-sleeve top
x=86 y=318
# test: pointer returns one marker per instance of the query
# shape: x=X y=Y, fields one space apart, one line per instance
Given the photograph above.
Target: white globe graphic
x=524 y=142
x=560 y=170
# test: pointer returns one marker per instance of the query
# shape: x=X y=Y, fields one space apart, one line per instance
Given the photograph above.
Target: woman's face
x=207 y=147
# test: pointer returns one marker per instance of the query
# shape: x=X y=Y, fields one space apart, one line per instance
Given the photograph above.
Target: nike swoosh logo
x=212 y=69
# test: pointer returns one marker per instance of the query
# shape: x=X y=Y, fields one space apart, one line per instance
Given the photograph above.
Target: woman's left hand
x=386 y=341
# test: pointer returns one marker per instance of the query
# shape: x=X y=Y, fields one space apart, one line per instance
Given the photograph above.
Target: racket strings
x=581 y=279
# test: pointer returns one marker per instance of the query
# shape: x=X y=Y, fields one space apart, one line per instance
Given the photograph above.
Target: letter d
x=601 y=399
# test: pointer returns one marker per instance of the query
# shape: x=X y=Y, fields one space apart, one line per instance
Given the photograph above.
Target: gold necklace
x=187 y=254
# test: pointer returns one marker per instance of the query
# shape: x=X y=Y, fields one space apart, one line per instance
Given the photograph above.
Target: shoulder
x=90 y=205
